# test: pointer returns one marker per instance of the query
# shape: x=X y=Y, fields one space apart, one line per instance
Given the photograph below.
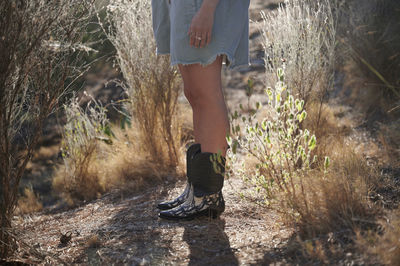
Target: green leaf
x=301 y=117
x=235 y=146
x=228 y=139
x=250 y=87
x=306 y=135
x=269 y=93
x=312 y=143
x=280 y=74
x=107 y=131
x=264 y=125
x=250 y=83
x=278 y=98
x=299 y=105
x=237 y=128
x=327 y=163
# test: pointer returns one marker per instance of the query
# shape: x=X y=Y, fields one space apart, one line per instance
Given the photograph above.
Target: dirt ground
x=120 y=229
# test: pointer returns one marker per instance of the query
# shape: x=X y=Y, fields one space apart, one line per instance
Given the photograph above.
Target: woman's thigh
x=202 y=81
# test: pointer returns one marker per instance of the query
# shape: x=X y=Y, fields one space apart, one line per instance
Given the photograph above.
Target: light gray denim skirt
x=230 y=33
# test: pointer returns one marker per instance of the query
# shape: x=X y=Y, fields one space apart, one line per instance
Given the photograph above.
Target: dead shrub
x=41 y=50
x=96 y=162
x=128 y=168
x=300 y=36
x=151 y=84
x=78 y=179
x=29 y=202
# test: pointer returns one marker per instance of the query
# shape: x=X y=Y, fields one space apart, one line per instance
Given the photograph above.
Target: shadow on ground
x=135 y=235
x=208 y=243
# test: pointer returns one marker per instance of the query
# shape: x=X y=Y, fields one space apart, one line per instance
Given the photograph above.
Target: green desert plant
x=271 y=150
x=282 y=150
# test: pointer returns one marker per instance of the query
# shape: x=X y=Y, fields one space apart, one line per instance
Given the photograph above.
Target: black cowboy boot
x=205 y=198
x=194 y=148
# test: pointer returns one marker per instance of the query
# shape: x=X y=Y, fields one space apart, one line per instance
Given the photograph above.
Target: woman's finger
x=192 y=39
x=208 y=37
x=203 y=39
x=198 y=40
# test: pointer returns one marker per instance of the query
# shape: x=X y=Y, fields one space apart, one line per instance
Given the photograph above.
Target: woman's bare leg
x=203 y=89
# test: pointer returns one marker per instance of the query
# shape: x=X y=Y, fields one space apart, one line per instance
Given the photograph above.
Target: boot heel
x=215 y=212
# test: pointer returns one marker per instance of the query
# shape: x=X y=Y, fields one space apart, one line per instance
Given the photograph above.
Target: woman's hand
x=202 y=24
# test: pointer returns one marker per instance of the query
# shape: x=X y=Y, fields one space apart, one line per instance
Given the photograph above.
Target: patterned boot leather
x=208 y=205
x=194 y=148
x=205 y=197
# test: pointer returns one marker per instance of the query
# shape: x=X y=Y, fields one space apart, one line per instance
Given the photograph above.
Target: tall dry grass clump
x=78 y=179
x=370 y=34
x=151 y=84
x=300 y=36
x=29 y=202
x=370 y=45
x=41 y=50
x=99 y=157
x=338 y=200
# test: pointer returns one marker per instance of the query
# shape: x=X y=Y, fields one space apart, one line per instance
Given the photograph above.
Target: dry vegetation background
x=94 y=127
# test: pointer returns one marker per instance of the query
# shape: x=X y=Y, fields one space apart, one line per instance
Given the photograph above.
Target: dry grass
x=371 y=42
x=339 y=199
x=300 y=37
x=151 y=84
x=78 y=178
x=46 y=152
x=388 y=246
x=384 y=244
x=128 y=167
x=323 y=122
x=123 y=166
x=85 y=187
x=389 y=136
x=29 y=202
x=99 y=157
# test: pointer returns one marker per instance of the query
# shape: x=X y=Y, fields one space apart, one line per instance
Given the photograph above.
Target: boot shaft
x=207 y=173
x=193 y=149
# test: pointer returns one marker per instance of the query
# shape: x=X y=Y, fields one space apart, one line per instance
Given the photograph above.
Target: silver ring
x=198 y=38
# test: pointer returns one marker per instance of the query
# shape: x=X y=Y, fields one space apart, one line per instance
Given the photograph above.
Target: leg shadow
x=208 y=243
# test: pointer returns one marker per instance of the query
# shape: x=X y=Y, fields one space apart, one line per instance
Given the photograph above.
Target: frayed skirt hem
x=229 y=61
